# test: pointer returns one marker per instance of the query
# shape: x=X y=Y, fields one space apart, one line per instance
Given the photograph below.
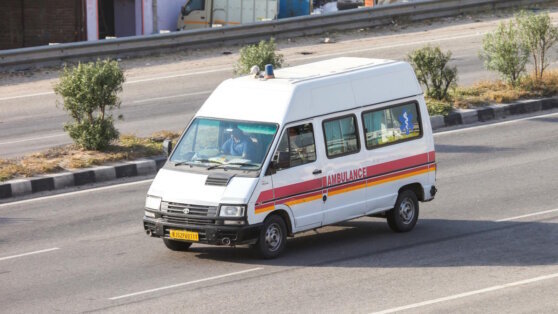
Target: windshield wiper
x=194 y=162
x=234 y=164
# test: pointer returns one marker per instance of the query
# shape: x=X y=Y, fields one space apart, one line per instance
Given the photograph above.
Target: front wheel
x=177 y=245
x=273 y=237
x=403 y=217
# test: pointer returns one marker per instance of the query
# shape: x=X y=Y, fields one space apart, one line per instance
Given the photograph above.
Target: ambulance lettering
x=346 y=176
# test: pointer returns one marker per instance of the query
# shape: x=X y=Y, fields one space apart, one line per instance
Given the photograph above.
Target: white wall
x=92 y=20
x=168 y=12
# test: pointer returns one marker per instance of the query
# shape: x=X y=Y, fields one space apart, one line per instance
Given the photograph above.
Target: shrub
x=432 y=69
x=89 y=93
x=260 y=55
x=438 y=107
x=505 y=53
x=538 y=34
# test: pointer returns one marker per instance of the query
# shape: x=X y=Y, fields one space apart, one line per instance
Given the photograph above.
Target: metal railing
x=250 y=33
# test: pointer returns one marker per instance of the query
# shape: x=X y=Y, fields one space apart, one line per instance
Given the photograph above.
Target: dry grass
x=128 y=147
x=489 y=92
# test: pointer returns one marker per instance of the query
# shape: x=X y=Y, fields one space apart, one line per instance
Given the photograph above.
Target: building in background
x=27 y=23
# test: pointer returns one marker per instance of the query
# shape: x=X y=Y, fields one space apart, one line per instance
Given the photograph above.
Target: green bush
x=260 y=55
x=432 y=70
x=89 y=93
x=504 y=52
x=538 y=35
x=438 y=107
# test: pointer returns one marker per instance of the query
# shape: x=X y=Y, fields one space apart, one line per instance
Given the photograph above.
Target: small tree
x=505 y=53
x=538 y=34
x=260 y=55
x=89 y=93
x=432 y=69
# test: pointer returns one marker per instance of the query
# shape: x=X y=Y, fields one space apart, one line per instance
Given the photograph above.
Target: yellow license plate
x=184 y=235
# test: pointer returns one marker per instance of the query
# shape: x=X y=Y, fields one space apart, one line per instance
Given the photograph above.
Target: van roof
x=313 y=89
x=321 y=69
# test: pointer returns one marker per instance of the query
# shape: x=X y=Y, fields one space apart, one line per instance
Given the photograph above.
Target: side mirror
x=167 y=147
x=272 y=168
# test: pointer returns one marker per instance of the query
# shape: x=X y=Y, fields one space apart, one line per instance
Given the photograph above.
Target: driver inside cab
x=238 y=145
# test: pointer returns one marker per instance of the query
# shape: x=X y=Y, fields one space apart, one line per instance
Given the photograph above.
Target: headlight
x=153 y=202
x=232 y=211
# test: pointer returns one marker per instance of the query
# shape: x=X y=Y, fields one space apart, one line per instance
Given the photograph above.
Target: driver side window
x=194 y=5
x=296 y=147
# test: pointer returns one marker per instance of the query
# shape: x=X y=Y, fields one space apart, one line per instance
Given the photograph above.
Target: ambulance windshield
x=215 y=143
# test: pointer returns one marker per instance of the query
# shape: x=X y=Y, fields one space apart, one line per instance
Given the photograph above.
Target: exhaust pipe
x=149 y=232
x=226 y=241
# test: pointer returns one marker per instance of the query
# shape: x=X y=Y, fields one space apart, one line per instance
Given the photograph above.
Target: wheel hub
x=273 y=237
x=407 y=211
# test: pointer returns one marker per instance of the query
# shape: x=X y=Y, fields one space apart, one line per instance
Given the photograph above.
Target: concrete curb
x=468 y=116
x=80 y=177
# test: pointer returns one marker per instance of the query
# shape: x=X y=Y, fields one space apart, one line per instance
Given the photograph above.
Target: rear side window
x=296 y=147
x=391 y=125
x=341 y=136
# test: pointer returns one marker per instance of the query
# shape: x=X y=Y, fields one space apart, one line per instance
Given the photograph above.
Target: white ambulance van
x=264 y=159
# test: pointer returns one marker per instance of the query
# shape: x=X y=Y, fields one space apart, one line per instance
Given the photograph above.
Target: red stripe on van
x=397 y=165
x=372 y=171
x=432 y=156
x=298 y=188
x=265 y=196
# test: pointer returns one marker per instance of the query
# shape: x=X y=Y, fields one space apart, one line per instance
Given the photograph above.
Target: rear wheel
x=177 y=245
x=403 y=217
x=273 y=237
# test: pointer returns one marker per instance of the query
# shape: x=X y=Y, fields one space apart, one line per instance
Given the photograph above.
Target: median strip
x=185 y=284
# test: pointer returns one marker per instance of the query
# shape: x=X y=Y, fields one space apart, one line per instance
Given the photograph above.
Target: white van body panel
x=190 y=188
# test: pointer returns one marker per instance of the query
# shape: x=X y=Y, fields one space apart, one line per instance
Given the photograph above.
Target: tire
x=403 y=217
x=177 y=245
x=273 y=237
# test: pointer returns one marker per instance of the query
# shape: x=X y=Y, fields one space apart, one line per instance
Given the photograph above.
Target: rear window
x=391 y=125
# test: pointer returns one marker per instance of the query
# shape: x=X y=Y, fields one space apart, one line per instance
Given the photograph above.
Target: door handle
x=317 y=171
x=202 y=17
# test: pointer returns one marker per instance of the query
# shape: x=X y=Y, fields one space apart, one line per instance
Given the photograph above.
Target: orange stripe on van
x=264 y=208
x=348 y=188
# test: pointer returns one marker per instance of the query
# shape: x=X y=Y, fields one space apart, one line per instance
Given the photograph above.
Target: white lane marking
x=75 y=193
x=468 y=294
x=33 y=139
x=27 y=95
x=157 y=78
x=30 y=253
x=493 y=124
x=529 y=215
x=185 y=283
x=170 y=97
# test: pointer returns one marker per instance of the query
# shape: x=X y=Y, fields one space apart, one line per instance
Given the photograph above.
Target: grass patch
x=489 y=92
x=485 y=93
x=438 y=107
x=127 y=147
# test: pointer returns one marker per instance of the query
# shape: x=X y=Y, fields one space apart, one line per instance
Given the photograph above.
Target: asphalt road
x=166 y=95
x=487 y=244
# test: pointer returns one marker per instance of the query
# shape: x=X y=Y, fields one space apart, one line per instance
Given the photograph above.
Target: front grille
x=197 y=210
x=198 y=215
x=183 y=219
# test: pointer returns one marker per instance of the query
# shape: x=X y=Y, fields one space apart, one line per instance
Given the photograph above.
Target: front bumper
x=208 y=234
